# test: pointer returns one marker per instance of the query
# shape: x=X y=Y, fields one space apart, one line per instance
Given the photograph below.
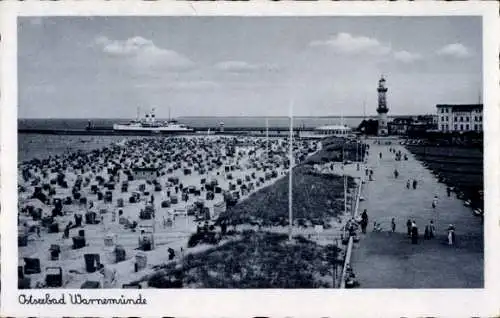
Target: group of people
x=412 y=231
x=410 y=184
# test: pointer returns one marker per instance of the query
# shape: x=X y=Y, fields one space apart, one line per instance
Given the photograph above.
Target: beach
x=183 y=167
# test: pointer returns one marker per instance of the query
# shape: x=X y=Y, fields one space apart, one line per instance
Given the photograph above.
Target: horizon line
x=241 y=116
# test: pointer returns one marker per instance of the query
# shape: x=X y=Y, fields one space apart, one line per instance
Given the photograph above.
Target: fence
x=348 y=253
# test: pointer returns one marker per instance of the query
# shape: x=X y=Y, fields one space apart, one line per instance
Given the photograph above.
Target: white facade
x=460 y=118
x=333 y=130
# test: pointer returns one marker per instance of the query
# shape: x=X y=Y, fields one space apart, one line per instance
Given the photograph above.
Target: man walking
x=414 y=233
x=434 y=202
x=364 y=221
x=408 y=227
x=393 y=225
x=432 y=229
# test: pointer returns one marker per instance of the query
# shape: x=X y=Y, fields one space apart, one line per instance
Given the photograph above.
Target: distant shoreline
x=205 y=117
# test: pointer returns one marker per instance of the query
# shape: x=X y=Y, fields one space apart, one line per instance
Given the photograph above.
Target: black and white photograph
x=250 y=152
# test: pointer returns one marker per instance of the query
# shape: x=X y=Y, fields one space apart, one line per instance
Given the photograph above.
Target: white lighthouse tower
x=382 y=109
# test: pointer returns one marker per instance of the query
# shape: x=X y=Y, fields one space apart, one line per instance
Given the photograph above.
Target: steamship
x=148 y=123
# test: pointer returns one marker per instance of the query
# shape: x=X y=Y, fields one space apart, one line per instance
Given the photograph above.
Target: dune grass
x=257 y=260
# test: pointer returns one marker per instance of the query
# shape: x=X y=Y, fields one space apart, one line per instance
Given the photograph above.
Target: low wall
x=350 y=244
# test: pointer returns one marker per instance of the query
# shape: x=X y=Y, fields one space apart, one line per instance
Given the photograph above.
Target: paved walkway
x=388 y=260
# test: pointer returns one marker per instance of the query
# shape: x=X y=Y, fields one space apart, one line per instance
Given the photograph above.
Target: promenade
x=388 y=260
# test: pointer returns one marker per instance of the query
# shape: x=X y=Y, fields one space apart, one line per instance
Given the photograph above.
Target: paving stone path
x=388 y=260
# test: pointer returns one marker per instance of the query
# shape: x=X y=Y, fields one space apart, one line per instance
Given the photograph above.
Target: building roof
x=461 y=107
x=333 y=127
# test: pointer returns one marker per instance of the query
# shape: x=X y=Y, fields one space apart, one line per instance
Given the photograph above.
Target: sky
x=107 y=67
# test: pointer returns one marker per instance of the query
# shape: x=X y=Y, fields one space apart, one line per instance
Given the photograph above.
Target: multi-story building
x=399 y=125
x=403 y=125
x=460 y=117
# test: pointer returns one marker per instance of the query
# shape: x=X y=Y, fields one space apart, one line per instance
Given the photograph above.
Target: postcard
x=295 y=159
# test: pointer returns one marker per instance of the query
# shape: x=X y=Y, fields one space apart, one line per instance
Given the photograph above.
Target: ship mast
x=364 y=109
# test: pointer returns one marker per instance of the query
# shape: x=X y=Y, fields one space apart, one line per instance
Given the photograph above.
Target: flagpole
x=267 y=139
x=290 y=204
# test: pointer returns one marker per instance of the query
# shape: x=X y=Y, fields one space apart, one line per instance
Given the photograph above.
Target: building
x=400 y=125
x=405 y=125
x=382 y=109
x=460 y=117
x=332 y=130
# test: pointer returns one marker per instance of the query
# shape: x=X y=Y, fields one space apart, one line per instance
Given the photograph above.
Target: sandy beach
x=180 y=162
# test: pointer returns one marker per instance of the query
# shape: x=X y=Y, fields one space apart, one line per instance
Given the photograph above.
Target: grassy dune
x=315 y=197
x=257 y=260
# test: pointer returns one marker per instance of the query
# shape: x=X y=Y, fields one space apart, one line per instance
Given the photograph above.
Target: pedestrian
x=426 y=233
x=408 y=227
x=451 y=235
x=432 y=229
x=364 y=215
x=393 y=225
x=434 y=202
x=448 y=191
x=408 y=184
x=380 y=155
x=396 y=173
x=414 y=233
x=364 y=221
x=414 y=184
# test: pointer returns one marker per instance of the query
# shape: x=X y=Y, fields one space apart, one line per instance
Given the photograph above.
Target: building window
x=442 y=118
x=475 y=127
x=455 y=127
x=447 y=127
x=442 y=127
x=475 y=118
x=467 y=127
x=461 y=127
x=467 y=119
x=461 y=118
x=480 y=127
x=480 y=118
x=456 y=118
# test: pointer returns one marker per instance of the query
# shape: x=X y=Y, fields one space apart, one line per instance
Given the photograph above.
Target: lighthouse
x=382 y=109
